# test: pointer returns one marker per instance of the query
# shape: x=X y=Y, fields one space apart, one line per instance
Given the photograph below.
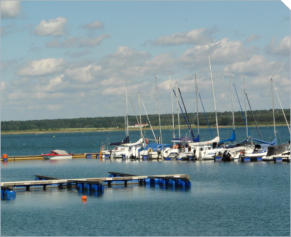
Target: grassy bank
x=111 y=129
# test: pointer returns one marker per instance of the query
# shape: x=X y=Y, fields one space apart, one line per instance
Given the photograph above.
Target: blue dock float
x=7 y=194
x=88 y=156
x=245 y=159
x=217 y=158
x=260 y=158
x=277 y=159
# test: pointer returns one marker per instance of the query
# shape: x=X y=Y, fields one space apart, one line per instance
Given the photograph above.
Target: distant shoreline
x=88 y=130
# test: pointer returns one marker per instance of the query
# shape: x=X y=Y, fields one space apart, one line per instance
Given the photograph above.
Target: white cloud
x=94 y=25
x=255 y=65
x=124 y=60
x=90 y=42
x=112 y=81
x=117 y=90
x=221 y=52
x=53 y=27
x=126 y=52
x=2 y=85
x=83 y=74
x=77 y=42
x=53 y=83
x=228 y=51
x=196 y=36
x=42 y=67
x=283 y=48
x=9 y=8
x=167 y=84
x=160 y=64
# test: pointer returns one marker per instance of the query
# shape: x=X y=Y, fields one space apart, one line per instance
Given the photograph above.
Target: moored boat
x=57 y=155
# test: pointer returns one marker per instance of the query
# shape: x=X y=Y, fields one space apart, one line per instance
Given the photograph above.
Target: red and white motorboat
x=57 y=155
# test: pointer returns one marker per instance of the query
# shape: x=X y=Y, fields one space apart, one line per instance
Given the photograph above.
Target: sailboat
x=154 y=149
x=205 y=150
x=125 y=149
x=260 y=146
x=108 y=153
x=180 y=149
x=277 y=152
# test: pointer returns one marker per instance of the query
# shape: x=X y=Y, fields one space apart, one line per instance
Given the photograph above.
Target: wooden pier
x=96 y=184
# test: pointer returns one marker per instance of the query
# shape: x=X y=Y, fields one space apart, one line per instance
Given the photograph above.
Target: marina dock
x=39 y=157
x=96 y=156
x=95 y=185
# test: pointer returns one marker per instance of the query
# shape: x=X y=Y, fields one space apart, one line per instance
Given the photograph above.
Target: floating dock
x=95 y=185
x=96 y=156
x=39 y=157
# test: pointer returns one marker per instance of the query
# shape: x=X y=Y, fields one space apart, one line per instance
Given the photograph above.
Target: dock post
x=60 y=186
x=69 y=185
x=140 y=182
x=27 y=188
x=44 y=187
x=125 y=183
x=109 y=184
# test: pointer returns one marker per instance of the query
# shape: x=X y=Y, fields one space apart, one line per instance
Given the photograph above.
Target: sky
x=71 y=59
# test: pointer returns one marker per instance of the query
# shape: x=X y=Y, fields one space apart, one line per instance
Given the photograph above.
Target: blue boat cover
x=197 y=139
x=231 y=139
x=272 y=143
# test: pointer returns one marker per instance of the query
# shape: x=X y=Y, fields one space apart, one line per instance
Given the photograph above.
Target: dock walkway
x=96 y=184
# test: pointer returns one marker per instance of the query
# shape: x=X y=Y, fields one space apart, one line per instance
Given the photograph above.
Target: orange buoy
x=5 y=157
x=84 y=198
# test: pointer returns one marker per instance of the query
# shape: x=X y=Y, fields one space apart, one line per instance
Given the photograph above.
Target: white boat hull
x=65 y=157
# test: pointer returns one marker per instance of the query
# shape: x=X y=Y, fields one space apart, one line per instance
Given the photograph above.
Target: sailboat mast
x=126 y=113
x=280 y=103
x=173 y=118
x=232 y=104
x=149 y=121
x=245 y=104
x=178 y=114
x=196 y=100
x=140 y=123
x=158 y=108
x=214 y=102
x=273 y=109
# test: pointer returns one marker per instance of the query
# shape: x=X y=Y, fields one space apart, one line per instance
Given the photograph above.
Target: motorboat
x=57 y=155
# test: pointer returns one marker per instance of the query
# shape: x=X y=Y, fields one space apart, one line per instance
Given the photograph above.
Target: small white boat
x=57 y=155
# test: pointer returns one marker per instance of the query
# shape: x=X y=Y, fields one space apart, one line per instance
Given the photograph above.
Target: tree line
x=260 y=117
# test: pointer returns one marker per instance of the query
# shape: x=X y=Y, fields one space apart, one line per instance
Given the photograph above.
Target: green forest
x=259 y=117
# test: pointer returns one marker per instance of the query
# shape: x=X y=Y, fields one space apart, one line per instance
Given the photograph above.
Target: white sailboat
x=206 y=150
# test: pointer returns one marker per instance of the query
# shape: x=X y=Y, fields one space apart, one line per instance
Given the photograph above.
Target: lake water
x=225 y=198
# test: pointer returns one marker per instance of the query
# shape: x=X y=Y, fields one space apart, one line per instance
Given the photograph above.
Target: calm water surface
x=225 y=198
